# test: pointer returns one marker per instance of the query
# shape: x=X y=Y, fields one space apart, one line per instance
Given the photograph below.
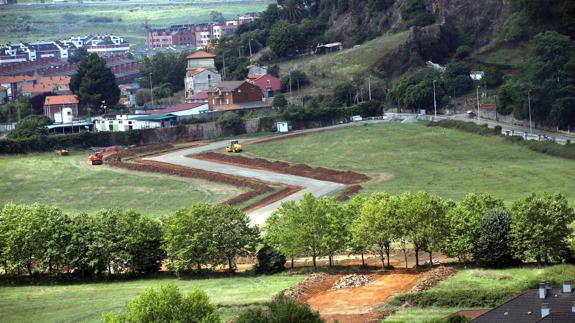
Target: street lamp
x=151 y=90
x=478 y=111
x=529 y=102
x=434 y=101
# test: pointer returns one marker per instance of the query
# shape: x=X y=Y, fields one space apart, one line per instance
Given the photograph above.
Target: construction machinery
x=234 y=147
x=61 y=152
x=98 y=157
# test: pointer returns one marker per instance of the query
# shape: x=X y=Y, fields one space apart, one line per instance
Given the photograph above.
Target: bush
x=281 y=310
x=167 y=304
x=230 y=120
x=279 y=101
x=463 y=51
x=298 y=78
x=30 y=126
x=457 y=298
x=270 y=261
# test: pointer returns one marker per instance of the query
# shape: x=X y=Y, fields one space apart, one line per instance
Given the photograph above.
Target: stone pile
x=433 y=278
x=352 y=281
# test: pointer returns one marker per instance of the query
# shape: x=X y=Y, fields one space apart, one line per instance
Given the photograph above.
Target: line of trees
x=479 y=227
x=40 y=239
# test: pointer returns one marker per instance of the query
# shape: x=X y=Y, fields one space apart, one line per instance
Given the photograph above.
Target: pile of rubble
x=352 y=281
x=433 y=278
x=299 y=290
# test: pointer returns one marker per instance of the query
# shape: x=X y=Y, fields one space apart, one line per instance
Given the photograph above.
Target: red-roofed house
x=183 y=109
x=55 y=84
x=231 y=94
x=13 y=84
x=201 y=74
x=200 y=97
x=54 y=106
x=268 y=84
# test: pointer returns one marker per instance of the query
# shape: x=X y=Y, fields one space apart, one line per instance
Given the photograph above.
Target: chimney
x=548 y=286
x=567 y=289
x=545 y=310
x=542 y=291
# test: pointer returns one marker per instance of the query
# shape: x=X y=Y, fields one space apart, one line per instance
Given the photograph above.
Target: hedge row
x=545 y=147
x=78 y=140
x=462 y=298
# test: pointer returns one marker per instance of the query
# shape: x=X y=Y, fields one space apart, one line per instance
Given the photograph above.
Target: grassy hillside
x=326 y=71
x=70 y=183
x=414 y=157
x=35 y=21
x=86 y=302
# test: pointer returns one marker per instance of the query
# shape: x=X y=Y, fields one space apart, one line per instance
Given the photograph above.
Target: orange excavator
x=98 y=157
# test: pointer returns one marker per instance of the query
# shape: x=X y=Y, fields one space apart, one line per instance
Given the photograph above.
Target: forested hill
x=524 y=46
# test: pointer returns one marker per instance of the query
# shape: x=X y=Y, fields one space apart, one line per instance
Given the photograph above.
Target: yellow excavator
x=234 y=147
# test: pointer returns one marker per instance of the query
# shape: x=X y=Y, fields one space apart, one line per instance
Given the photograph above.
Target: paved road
x=316 y=187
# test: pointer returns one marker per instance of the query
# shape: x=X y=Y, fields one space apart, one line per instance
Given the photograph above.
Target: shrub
x=279 y=101
x=463 y=51
x=167 y=304
x=281 y=310
x=298 y=78
x=30 y=126
x=270 y=261
x=460 y=298
x=230 y=121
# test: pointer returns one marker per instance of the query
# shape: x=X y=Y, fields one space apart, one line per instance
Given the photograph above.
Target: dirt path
x=355 y=305
x=184 y=157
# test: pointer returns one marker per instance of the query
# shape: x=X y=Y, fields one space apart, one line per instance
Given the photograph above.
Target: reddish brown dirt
x=358 y=304
x=319 y=173
x=348 y=192
x=287 y=191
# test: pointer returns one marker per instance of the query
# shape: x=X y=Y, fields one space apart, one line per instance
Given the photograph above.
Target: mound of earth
x=433 y=278
x=296 y=292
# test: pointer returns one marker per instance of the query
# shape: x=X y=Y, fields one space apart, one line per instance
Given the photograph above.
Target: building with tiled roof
x=268 y=84
x=54 y=84
x=55 y=106
x=201 y=73
x=535 y=305
x=200 y=97
x=233 y=93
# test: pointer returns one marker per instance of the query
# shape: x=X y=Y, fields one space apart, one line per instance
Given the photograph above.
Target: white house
x=201 y=74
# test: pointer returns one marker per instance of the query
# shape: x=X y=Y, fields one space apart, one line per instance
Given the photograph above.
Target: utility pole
x=250 y=44
x=152 y=90
x=369 y=86
x=529 y=102
x=224 y=67
x=239 y=52
x=290 y=93
x=478 y=117
x=434 y=102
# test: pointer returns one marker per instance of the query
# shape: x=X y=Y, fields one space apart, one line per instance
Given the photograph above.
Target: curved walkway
x=258 y=216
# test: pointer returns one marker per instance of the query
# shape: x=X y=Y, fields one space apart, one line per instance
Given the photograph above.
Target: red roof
x=15 y=79
x=199 y=96
x=60 y=99
x=200 y=55
x=267 y=82
x=175 y=108
x=195 y=72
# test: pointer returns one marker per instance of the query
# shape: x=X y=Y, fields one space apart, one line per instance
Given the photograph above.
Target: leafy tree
x=285 y=39
x=188 y=240
x=297 y=78
x=456 y=78
x=415 y=90
x=270 y=261
x=230 y=120
x=217 y=16
x=274 y=70
x=414 y=13
x=373 y=226
x=94 y=83
x=15 y=111
x=351 y=211
x=235 y=235
x=143 y=96
x=337 y=228
x=540 y=227
x=282 y=231
x=167 y=304
x=88 y=249
x=345 y=93
x=165 y=68
x=493 y=247
x=279 y=101
x=281 y=310
x=30 y=126
x=464 y=222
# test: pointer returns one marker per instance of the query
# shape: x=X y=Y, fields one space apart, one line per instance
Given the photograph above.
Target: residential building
x=329 y=48
x=14 y=84
x=134 y=122
x=535 y=305
x=3 y=94
x=247 y=17
x=60 y=107
x=268 y=84
x=200 y=97
x=231 y=94
x=54 y=84
x=201 y=74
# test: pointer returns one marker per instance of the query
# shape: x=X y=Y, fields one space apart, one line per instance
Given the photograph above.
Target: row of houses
x=195 y=35
x=63 y=49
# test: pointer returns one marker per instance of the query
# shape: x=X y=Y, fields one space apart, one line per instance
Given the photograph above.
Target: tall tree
x=285 y=39
x=493 y=246
x=95 y=84
x=540 y=227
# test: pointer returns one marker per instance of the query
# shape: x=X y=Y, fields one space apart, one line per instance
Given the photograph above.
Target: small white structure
x=134 y=122
x=476 y=75
x=282 y=127
x=180 y=110
x=356 y=118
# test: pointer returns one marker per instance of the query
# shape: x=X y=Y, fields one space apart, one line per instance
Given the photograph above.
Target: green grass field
x=413 y=157
x=34 y=21
x=86 y=302
x=70 y=183
x=514 y=280
x=327 y=71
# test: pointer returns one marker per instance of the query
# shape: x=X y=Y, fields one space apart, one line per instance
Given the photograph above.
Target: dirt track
x=184 y=158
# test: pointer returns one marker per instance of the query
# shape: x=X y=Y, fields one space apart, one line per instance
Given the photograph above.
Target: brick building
x=230 y=94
